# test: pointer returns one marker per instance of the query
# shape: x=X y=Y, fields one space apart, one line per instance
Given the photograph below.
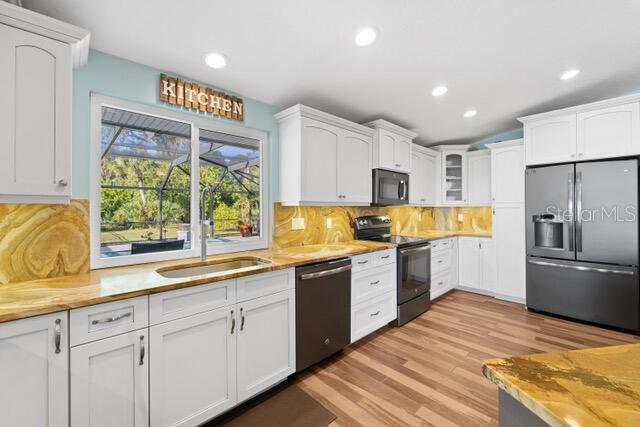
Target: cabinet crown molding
x=28 y=20
x=423 y=149
x=451 y=147
x=503 y=144
x=300 y=110
x=383 y=124
x=611 y=102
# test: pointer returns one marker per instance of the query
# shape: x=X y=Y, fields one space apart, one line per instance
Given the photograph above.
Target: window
x=149 y=194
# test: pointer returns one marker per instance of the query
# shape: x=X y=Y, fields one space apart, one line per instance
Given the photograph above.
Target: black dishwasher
x=323 y=311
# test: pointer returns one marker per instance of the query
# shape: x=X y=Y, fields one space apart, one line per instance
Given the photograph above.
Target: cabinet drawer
x=440 y=282
x=361 y=262
x=180 y=303
x=372 y=314
x=440 y=262
x=441 y=245
x=109 y=319
x=259 y=285
x=372 y=282
x=384 y=257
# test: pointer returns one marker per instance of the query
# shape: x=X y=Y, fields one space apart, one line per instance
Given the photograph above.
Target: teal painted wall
x=504 y=136
x=113 y=76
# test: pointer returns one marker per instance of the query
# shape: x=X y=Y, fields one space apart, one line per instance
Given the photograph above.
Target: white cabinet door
x=509 y=238
x=430 y=185
x=454 y=178
x=266 y=342
x=402 y=154
x=551 y=140
x=609 y=132
x=319 y=161
x=418 y=179
x=110 y=381
x=354 y=168
x=387 y=149
x=469 y=262
x=35 y=115
x=507 y=174
x=192 y=373
x=34 y=371
x=488 y=265
x=479 y=179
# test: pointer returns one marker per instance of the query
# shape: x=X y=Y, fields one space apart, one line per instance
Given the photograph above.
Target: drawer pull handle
x=141 y=350
x=363 y=262
x=233 y=322
x=375 y=314
x=57 y=335
x=375 y=283
x=111 y=319
x=385 y=257
x=440 y=282
x=242 y=319
x=439 y=261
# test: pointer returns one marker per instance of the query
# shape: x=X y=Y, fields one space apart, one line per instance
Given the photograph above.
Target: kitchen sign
x=176 y=91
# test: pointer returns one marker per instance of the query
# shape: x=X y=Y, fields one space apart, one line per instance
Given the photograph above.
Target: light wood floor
x=428 y=372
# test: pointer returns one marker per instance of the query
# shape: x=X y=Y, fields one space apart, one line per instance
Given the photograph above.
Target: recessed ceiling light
x=366 y=36
x=215 y=60
x=469 y=113
x=439 y=90
x=569 y=74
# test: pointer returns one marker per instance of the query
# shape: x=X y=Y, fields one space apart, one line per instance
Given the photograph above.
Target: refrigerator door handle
x=579 y=211
x=581 y=268
x=570 y=197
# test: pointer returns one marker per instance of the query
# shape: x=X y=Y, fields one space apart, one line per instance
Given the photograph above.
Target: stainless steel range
x=413 y=264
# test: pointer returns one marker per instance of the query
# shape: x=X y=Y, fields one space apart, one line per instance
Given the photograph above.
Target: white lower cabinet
x=477 y=264
x=34 y=371
x=266 y=342
x=193 y=368
x=109 y=381
x=509 y=236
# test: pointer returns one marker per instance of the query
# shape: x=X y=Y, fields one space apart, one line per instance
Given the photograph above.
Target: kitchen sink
x=203 y=268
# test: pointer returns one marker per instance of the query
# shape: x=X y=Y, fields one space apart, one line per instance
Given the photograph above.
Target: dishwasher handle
x=325 y=273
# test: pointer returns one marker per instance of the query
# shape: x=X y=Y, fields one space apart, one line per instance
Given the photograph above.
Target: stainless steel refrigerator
x=582 y=241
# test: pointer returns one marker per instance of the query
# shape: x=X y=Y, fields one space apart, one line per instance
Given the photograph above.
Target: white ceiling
x=501 y=57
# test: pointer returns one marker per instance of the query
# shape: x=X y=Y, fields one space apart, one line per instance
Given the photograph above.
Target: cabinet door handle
x=374 y=283
x=111 y=319
x=398 y=165
x=242 y=319
x=233 y=322
x=385 y=257
x=440 y=261
x=62 y=183
x=142 y=350
x=57 y=335
x=363 y=262
x=375 y=314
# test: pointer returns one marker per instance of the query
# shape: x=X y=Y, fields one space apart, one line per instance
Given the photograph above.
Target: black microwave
x=390 y=188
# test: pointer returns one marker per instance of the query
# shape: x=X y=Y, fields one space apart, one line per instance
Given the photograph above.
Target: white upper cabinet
x=479 y=178
x=324 y=159
x=392 y=146
x=36 y=64
x=34 y=371
x=551 y=140
x=609 y=132
x=507 y=172
x=422 y=185
x=454 y=177
x=604 y=129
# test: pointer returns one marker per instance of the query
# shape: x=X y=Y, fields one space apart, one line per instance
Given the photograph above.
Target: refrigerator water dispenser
x=547 y=232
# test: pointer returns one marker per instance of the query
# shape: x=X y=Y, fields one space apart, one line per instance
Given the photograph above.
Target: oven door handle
x=325 y=273
x=414 y=250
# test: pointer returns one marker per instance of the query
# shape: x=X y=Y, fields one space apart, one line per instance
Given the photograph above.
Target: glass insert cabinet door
x=453 y=166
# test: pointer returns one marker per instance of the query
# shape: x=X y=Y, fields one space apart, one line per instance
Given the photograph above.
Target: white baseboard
x=511 y=298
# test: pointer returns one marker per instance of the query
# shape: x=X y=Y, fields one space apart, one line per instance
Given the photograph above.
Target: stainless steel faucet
x=204 y=222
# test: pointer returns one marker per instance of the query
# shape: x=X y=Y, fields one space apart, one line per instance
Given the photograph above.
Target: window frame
x=195 y=122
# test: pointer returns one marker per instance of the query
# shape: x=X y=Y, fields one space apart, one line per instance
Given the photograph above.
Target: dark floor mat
x=283 y=406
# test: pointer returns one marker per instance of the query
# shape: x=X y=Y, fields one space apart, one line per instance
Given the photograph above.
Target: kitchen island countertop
x=589 y=387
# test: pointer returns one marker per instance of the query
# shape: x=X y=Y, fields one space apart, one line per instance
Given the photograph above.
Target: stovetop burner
x=377 y=228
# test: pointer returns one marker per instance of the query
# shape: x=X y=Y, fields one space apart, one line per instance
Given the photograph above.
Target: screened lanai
x=146 y=200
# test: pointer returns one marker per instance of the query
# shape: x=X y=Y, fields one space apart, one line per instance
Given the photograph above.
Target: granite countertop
x=590 y=387
x=32 y=298
x=438 y=234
